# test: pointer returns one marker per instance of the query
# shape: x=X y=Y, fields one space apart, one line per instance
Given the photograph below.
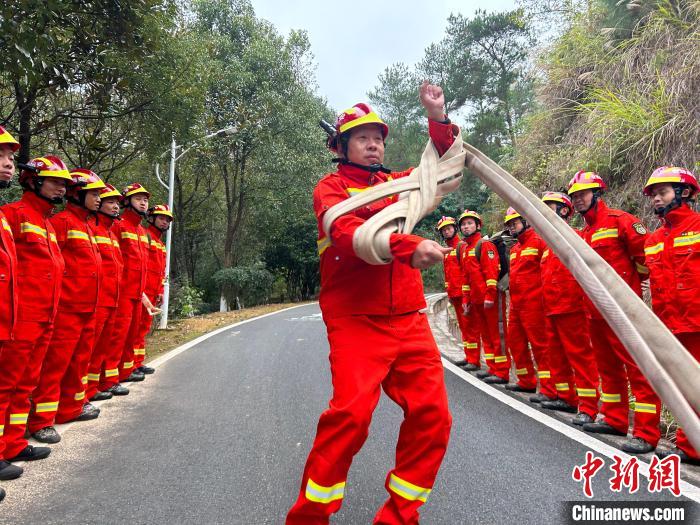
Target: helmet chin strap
x=38 y=183
x=372 y=168
x=4 y=184
x=526 y=226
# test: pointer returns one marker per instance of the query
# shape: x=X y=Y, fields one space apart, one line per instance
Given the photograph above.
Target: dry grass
x=183 y=330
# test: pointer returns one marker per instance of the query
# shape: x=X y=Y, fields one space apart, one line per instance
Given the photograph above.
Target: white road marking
x=688 y=490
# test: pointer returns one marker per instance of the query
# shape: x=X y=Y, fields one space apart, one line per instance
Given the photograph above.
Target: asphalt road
x=220 y=434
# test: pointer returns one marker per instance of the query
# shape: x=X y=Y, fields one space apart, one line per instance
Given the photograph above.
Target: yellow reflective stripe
x=471 y=253
x=491 y=282
x=321 y=494
x=144 y=238
x=686 y=240
x=489 y=357
x=93 y=377
x=112 y=372
x=80 y=396
x=323 y=244
x=84 y=380
x=610 y=398
x=102 y=240
x=472 y=345
x=408 y=490
x=445 y=284
x=2 y=430
x=6 y=226
x=562 y=387
x=544 y=374
x=77 y=234
x=513 y=256
x=28 y=227
x=501 y=359
x=545 y=253
x=46 y=407
x=130 y=236
x=18 y=419
x=139 y=351
x=647 y=408
x=52 y=237
x=116 y=244
x=529 y=251
x=653 y=250
x=465 y=288
x=353 y=191
x=586 y=392
x=521 y=372
x=130 y=364
x=641 y=268
x=604 y=233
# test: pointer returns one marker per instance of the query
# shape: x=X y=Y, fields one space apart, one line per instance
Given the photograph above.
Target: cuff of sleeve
x=403 y=246
x=442 y=134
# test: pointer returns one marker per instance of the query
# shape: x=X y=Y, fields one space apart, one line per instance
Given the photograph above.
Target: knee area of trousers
x=350 y=421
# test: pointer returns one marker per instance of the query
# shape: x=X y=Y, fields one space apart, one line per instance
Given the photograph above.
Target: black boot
x=89 y=412
x=685 y=458
x=9 y=471
x=470 y=367
x=495 y=380
x=102 y=396
x=581 y=419
x=558 y=404
x=146 y=370
x=601 y=427
x=481 y=374
x=2 y=493
x=637 y=445
x=517 y=388
x=134 y=376
x=540 y=398
x=118 y=390
x=460 y=363
x=47 y=435
x=31 y=453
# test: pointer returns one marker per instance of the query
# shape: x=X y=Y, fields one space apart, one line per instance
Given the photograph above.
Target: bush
x=245 y=285
x=187 y=301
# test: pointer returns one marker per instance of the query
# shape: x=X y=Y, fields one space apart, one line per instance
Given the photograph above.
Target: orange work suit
x=618 y=237
x=378 y=339
x=60 y=394
x=453 y=287
x=673 y=257
x=526 y=315
x=480 y=284
x=134 y=246
x=155 y=278
x=39 y=276
x=103 y=371
x=571 y=359
x=8 y=317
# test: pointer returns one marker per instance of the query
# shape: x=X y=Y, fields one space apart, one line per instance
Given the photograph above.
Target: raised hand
x=433 y=100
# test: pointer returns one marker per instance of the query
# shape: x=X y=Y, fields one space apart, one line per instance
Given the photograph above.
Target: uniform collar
x=78 y=211
x=525 y=236
x=131 y=217
x=677 y=216
x=599 y=210
x=473 y=239
x=154 y=231
x=34 y=201
x=358 y=175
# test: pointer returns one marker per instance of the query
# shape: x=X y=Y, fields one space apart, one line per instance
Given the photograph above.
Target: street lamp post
x=170 y=186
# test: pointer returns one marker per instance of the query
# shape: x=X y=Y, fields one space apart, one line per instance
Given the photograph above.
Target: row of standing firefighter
x=78 y=290
x=561 y=348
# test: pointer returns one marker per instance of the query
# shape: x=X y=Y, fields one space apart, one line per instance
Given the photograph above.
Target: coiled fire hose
x=672 y=371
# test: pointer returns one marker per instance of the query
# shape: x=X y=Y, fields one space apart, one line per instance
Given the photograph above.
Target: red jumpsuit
x=453 y=287
x=60 y=394
x=39 y=276
x=155 y=277
x=526 y=316
x=378 y=340
x=673 y=257
x=103 y=371
x=571 y=358
x=618 y=237
x=134 y=245
x=8 y=317
x=480 y=284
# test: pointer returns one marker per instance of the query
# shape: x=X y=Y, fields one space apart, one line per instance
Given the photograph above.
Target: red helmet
x=133 y=189
x=445 y=221
x=672 y=175
x=160 y=209
x=510 y=215
x=6 y=138
x=85 y=179
x=556 y=196
x=49 y=166
x=109 y=191
x=586 y=180
x=472 y=214
x=358 y=115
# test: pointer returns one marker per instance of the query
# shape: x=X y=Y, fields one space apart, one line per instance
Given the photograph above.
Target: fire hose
x=672 y=371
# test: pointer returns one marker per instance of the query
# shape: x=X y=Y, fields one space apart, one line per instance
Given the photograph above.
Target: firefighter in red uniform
x=481 y=302
x=60 y=395
x=378 y=337
x=159 y=219
x=571 y=359
x=447 y=228
x=526 y=315
x=103 y=372
x=134 y=245
x=673 y=258
x=617 y=237
x=39 y=277
x=8 y=298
